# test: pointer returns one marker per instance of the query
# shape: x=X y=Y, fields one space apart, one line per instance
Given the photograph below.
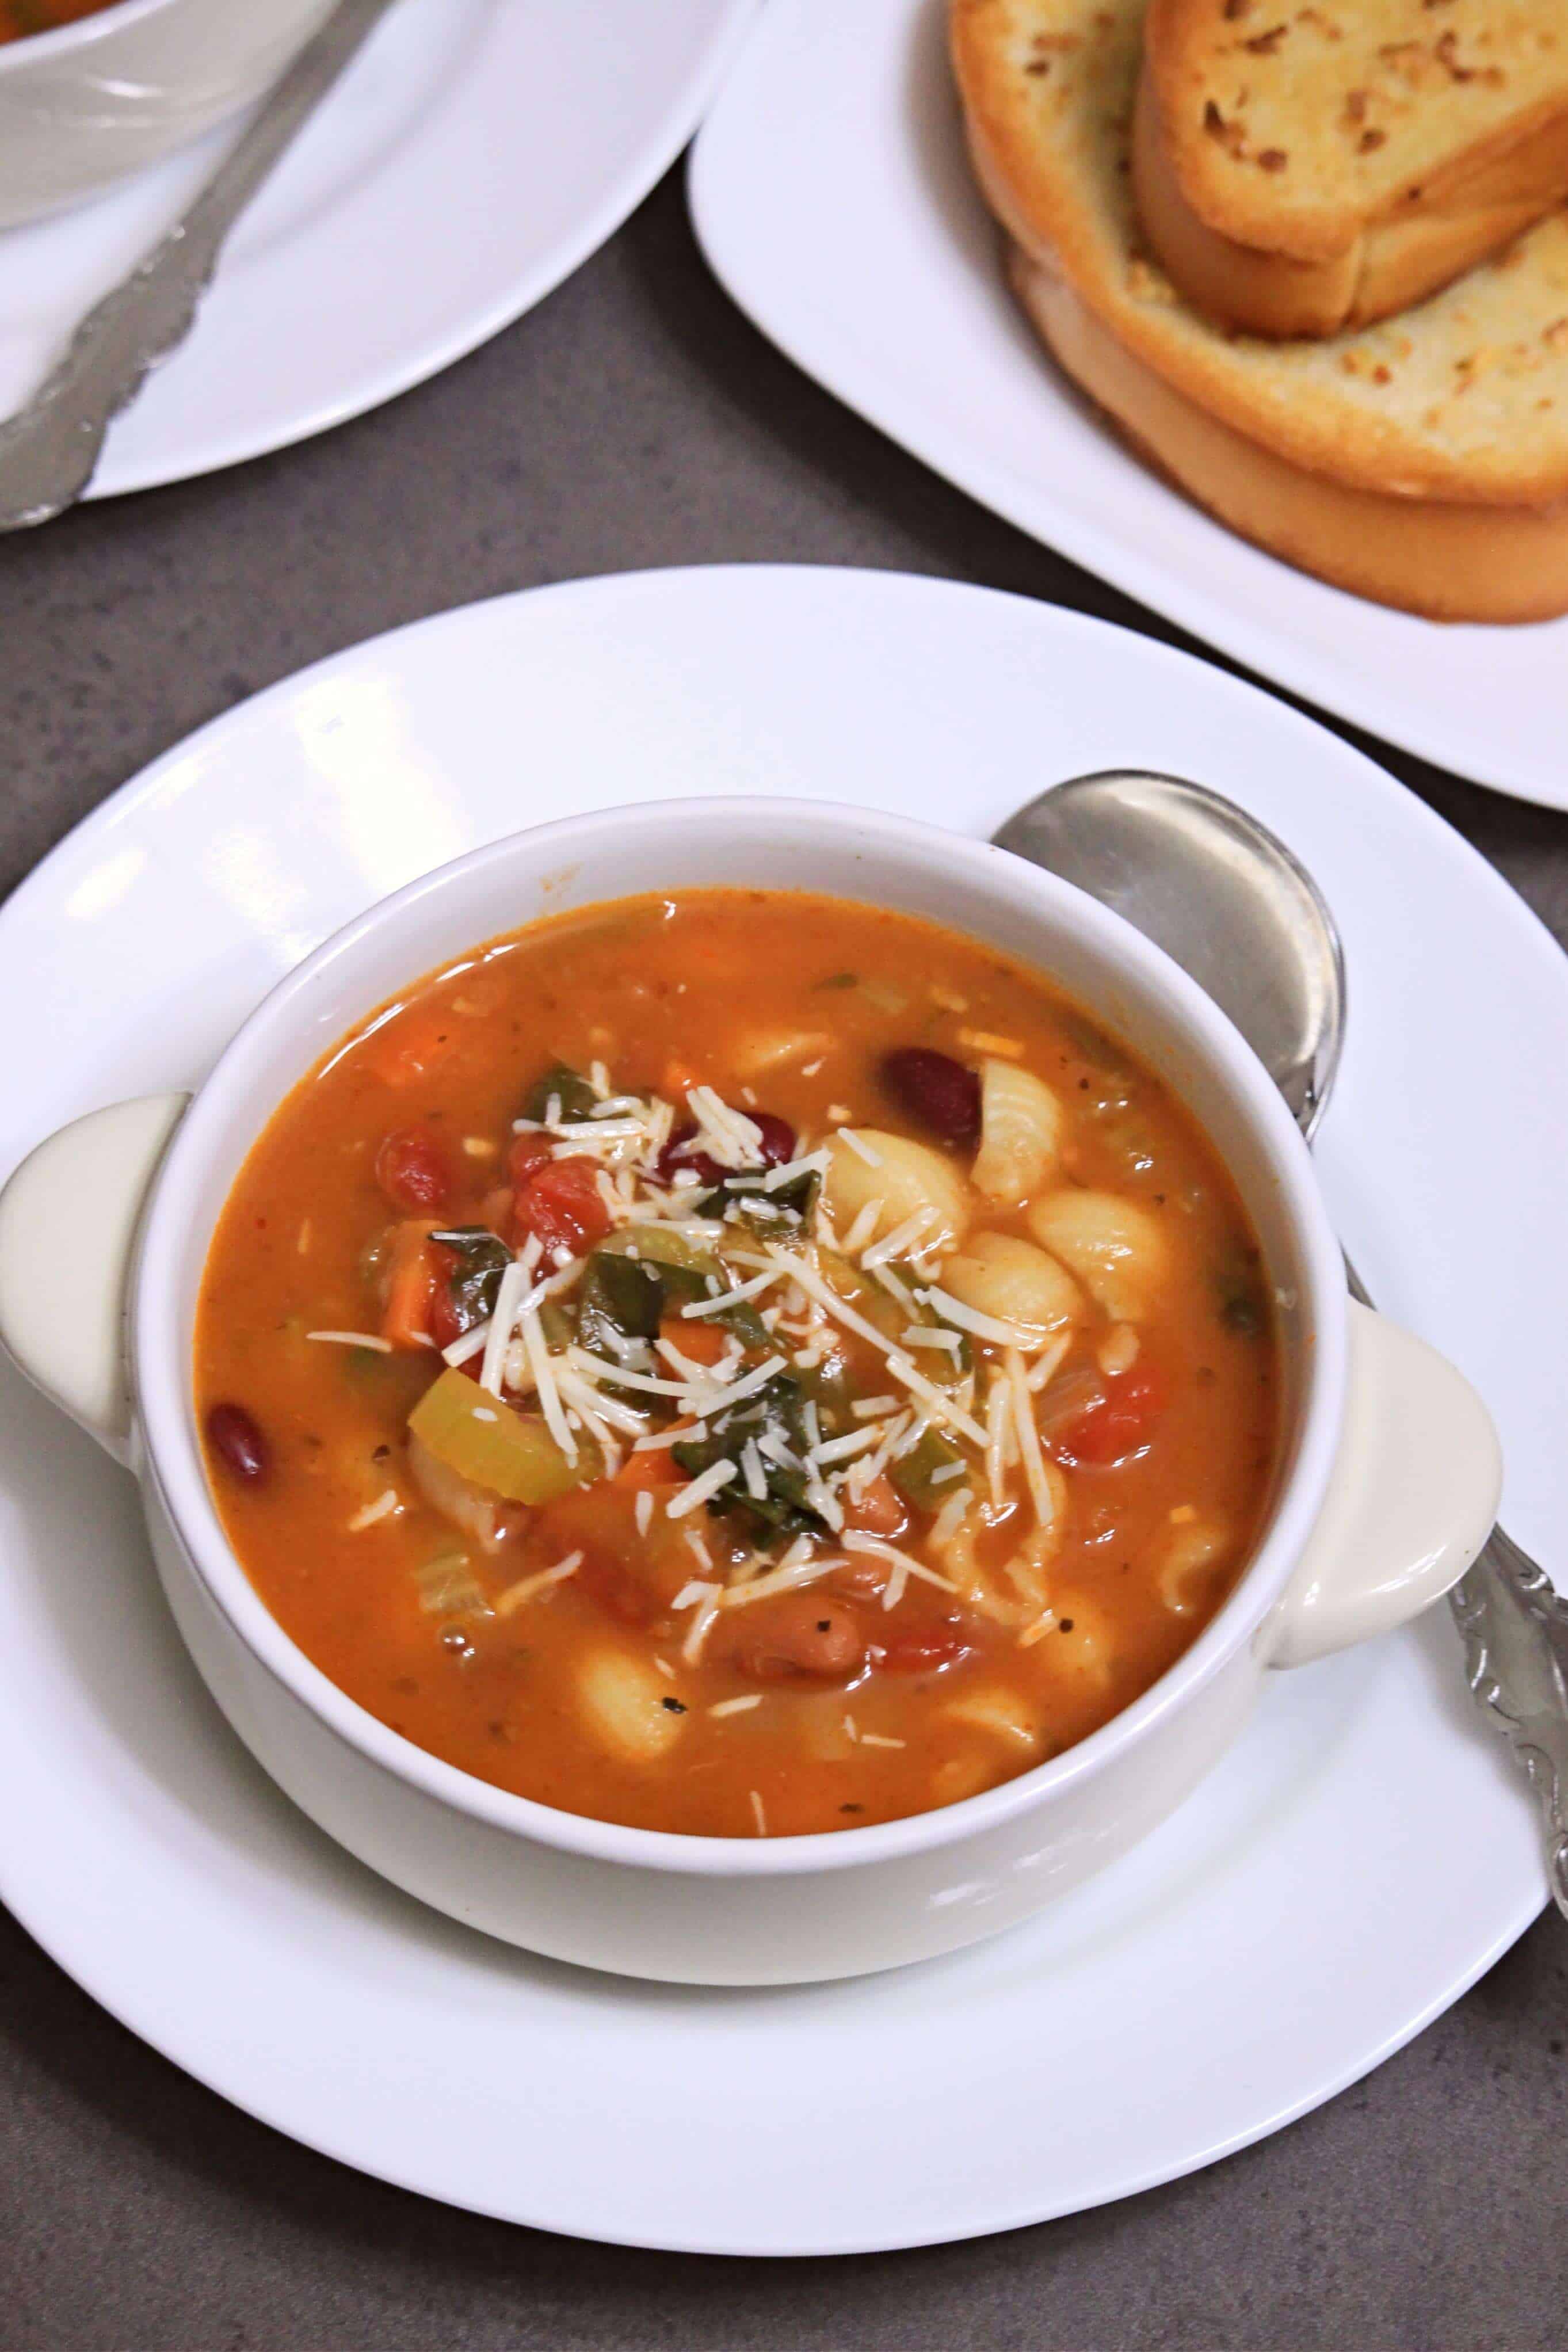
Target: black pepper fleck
x=673 y=1705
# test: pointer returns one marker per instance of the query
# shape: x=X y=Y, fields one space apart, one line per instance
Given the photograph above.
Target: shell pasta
x=742 y=1364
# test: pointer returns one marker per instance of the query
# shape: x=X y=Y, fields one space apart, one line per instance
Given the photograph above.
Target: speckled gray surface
x=635 y=419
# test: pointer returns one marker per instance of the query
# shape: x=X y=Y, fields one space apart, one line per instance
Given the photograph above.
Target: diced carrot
x=410 y=1046
x=414 y=1271
x=642 y=1472
x=699 y=1343
x=877 y=1512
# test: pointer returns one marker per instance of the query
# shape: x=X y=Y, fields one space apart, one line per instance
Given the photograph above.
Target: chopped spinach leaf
x=778 y=1407
x=622 y=1295
x=482 y=1259
x=568 y=1086
x=745 y=1202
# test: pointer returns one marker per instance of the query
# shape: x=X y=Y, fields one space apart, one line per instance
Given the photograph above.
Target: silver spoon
x=50 y=449
x=1228 y=902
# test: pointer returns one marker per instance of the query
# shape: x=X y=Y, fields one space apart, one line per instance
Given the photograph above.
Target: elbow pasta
x=1022 y=1127
x=901 y=1178
x=1003 y=1275
x=1115 y=1247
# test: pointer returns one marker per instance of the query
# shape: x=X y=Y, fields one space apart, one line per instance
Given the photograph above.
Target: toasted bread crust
x=1443 y=562
x=1293 y=129
x=1466 y=402
x=1389 y=264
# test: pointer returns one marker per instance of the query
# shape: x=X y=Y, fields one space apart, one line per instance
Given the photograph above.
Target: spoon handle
x=1514 y=1628
x=50 y=449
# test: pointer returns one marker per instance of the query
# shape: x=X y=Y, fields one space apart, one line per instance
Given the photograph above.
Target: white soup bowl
x=1386 y=1488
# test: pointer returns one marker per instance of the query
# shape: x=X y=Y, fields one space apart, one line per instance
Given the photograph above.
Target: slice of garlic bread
x=1460 y=405
x=1300 y=169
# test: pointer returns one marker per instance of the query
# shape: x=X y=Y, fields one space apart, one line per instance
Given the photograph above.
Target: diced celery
x=473 y=1434
x=662 y=1246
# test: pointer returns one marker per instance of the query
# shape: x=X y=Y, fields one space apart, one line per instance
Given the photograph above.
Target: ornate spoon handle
x=1514 y=1628
x=50 y=449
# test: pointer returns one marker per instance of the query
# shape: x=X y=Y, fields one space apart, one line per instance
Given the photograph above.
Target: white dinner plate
x=832 y=195
x=1354 y=1862
x=472 y=156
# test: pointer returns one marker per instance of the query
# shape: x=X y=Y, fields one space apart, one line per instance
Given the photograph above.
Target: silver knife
x=50 y=449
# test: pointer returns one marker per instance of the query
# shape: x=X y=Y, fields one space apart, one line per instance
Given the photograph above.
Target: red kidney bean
x=413 y=1170
x=936 y=1089
x=238 y=1443
x=777 y=1145
x=799 y=1633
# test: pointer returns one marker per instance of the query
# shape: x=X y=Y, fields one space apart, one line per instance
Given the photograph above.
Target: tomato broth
x=19 y=19
x=744 y=1364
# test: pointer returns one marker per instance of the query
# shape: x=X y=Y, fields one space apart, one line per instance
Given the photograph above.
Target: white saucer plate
x=832 y=195
x=473 y=156
x=1352 y=1867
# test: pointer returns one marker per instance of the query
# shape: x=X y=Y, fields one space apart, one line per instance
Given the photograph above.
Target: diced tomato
x=698 y=1343
x=414 y=1171
x=912 y=1644
x=561 y=1203
x=1120 y=1426
x=525 y=1155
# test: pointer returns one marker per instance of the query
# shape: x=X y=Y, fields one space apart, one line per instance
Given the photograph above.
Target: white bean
x=622 y=1700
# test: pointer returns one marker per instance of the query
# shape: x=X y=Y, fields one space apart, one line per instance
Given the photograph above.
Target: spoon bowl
x=1222 y=896
x=1228 y=901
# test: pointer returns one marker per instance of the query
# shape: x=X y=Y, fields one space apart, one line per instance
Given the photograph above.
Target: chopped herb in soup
x=741 y=1364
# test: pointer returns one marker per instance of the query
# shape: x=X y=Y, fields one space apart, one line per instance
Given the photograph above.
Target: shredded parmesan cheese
x=382 y=1508
x=524 y=1589
x=354 y=1340
x=691 y=1498
x=1029 y=1441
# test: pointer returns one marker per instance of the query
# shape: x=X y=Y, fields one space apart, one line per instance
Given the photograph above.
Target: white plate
x=831 y=194
x=473 y=156
x=1352 y=1867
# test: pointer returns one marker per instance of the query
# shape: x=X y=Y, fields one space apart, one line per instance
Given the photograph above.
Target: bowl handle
x=1413 y=1497
x=68 y=1223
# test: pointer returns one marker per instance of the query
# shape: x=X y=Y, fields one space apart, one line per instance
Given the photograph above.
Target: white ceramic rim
x=159 y=1352
x=60 y=39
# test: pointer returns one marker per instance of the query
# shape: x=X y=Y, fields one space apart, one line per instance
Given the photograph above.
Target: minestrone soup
x=745 y=1364
x=20 y=17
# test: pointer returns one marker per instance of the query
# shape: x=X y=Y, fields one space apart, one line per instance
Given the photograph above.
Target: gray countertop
x=635 y=419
